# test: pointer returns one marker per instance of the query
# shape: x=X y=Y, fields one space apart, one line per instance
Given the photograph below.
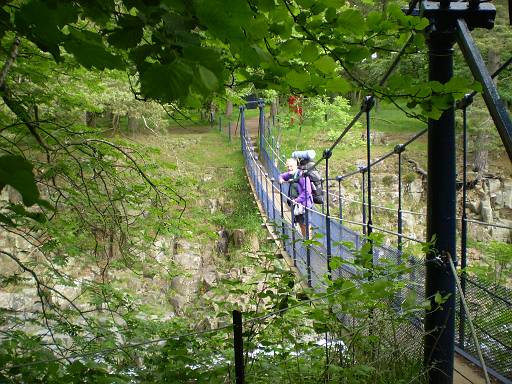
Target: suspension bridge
x=480 y=335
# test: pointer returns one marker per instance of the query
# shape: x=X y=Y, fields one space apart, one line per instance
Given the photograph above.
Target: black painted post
x=273 y=152
x=242 y=125
x=340 y=207
x=267 y=208
x=363 y=196
x=281 y=210
x=211 y=119
x=327 y=155
x=369 y=103
x=441 y=216
x=261 y=124
x=340 y=201
x=238 y=346
x=220 y=123
x=399 y=149
x=260 y=187
x=229 y=130
x=272 y=180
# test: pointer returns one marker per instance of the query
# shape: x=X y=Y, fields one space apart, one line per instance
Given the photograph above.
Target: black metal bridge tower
x=447 y=21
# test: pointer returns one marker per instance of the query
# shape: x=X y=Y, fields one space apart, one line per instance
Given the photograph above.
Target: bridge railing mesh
x=490 y=305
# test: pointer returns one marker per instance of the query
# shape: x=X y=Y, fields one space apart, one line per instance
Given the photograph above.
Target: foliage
x=495 y=265
x=85 y=207
x=323 y=113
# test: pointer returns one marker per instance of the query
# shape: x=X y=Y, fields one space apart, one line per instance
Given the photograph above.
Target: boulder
x=486 y=210
x=213 y=205
x=500 y=234
x=408 y=222
x=178 y=301
x=494 y=185
x=254 y=243
x=238 y=237
x=473 y=206
x=479 y=232
x=185 y=286
x=25 y=301
x=71 y=293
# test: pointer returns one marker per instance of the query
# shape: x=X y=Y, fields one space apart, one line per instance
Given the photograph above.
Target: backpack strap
x=309 y=196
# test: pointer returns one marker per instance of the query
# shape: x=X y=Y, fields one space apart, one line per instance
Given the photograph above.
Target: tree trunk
x=355 y=98
x=108 y=114
x=384 y=7
x=90 y=119
x=115 y=122
x=229 y=108
x=481 y=154
x=273 y=110
x=133 y=123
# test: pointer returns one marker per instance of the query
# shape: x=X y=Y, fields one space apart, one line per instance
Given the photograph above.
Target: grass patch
x=208 y=172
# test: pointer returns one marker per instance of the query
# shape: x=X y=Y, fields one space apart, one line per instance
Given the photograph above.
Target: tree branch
x=9 y=62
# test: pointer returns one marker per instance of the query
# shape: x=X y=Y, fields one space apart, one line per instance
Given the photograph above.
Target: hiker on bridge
x=299 y=193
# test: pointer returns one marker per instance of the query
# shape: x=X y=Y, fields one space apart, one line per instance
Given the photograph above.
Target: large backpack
x=316 y=180
x=293 y=188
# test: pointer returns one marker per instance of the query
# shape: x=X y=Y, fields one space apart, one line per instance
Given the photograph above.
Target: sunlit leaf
x=325 y=64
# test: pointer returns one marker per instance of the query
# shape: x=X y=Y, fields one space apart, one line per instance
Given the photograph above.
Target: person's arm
x=305 y=191
x=284 y=177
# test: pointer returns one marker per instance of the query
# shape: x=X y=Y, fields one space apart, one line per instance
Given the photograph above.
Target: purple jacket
x=305 y=191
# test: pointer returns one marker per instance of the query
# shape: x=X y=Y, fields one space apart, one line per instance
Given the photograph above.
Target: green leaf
x=20 y=210
x=421 y=23
x=129 y=34
x=351 y=21
x=338 y=85
x=258 y=27
x=325 y=64
x=461 y=85
x=98 y=11
x=125 y=38
x=330 y=14
x=297 y=80
x=208 y=78
x=90 y=52
x=43 y=24
x=336 y=262
x=17 y=172
x=334 y=3
x=373 y=20
x=309 y=53
x=6 y=220
x=357 y=54
x=290 y=48
x=410 y=299
x=306 y=3
x=167 y=82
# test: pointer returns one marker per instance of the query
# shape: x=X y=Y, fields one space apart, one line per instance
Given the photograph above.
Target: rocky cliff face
x=489 y=201
x=174 y=271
